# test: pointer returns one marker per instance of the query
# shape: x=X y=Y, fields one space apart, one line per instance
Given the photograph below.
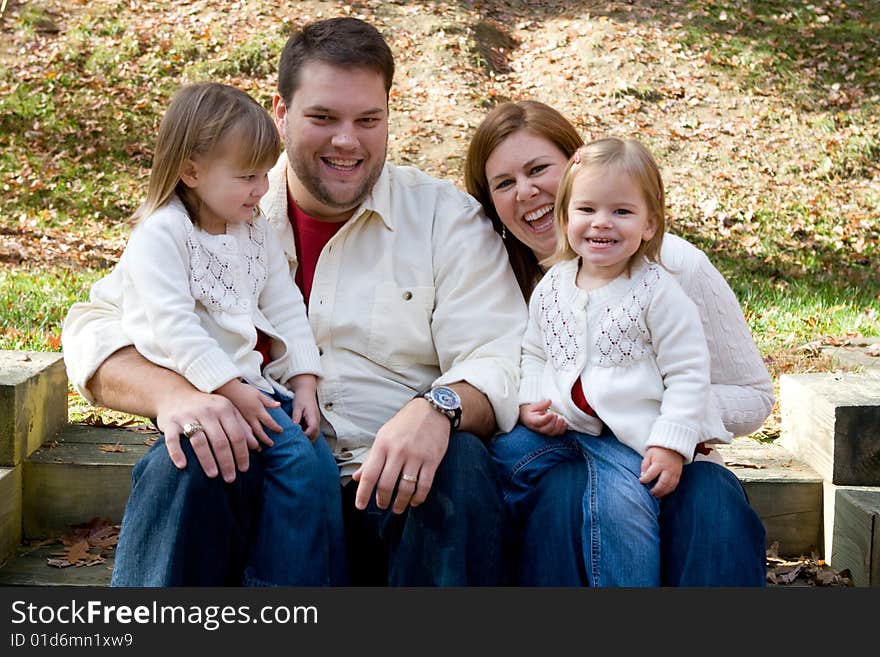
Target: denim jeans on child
x=580 y=517
x=278 y=524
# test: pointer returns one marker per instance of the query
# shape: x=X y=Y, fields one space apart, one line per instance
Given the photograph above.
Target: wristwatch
x=445 y=400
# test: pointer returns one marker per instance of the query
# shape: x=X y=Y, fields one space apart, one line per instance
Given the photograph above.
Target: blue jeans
x=560 y=502
x=455 y=538
x=278 y=524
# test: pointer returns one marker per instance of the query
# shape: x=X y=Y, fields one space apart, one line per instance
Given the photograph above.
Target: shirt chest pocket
x=400 y=326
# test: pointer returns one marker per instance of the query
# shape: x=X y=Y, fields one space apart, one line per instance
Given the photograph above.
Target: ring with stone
x=190 y=429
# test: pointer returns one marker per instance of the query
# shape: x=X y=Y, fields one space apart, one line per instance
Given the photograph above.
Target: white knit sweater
x=741 y=390
x=637 y=345
x=192 y=301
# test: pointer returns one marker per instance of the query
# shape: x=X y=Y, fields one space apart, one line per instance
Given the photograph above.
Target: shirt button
x=328 y=406
x=407 y=295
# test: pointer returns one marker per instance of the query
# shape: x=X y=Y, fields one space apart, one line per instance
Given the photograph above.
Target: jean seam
x=592 y=542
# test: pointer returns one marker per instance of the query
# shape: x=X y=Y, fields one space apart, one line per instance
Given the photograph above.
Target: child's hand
x=539 y=418
x=252 y=405
x=305 y=404
x=665 y=466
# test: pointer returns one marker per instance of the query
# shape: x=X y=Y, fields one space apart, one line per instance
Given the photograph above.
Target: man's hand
x=413 y=442
x=539 y=418
x=665 y=466
x=223 y=443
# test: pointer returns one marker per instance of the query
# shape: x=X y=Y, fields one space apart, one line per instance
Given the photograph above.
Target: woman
x=710 y=536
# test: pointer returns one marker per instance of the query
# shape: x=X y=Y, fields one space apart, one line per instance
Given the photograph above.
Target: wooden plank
x=75 y=481
x=855 y=536
x=854 y=354
x=33 y=402
x=784 y=491
x=10 y=510
x=832 y=422
x=29 y=568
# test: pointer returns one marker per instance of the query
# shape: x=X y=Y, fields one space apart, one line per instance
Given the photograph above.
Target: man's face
x=335 y=131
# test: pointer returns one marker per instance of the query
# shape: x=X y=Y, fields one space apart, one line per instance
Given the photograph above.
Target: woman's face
x=523 y=174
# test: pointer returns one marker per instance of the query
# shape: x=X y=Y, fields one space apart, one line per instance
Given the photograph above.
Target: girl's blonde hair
x=627 y=157
x=198 y=117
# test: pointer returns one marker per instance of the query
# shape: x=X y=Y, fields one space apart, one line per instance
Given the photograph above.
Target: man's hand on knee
x=223 y=443
x=405 y=454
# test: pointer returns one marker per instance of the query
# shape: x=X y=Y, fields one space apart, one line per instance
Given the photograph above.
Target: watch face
x=446 y=398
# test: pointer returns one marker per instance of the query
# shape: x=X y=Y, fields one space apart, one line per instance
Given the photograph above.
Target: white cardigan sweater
x=637 y=345
x=192 y=301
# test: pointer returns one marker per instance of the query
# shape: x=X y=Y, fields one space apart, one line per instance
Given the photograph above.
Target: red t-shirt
x=310 y=236
x=579 y=399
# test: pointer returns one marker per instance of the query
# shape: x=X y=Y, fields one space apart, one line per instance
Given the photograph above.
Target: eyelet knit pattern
x=562 y=344
x=216 y=282
x=623 y=336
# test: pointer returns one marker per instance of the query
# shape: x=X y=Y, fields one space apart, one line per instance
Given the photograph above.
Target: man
x=418 y=320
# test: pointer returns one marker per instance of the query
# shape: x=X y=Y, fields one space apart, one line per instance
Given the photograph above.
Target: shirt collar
x=378 y=202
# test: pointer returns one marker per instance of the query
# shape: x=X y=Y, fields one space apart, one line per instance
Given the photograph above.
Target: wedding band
x=409 y=477
x=190 y=429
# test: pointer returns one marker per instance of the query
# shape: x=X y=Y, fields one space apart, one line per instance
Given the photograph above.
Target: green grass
x=34 y=302
x=818 y=54
x=786 y=314
x=798 y=239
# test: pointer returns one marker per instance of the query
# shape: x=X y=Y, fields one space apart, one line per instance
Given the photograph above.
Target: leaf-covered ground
x=763 y=115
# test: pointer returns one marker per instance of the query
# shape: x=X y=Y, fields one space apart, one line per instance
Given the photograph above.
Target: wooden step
x=10 y=510
x=786 y=494
x=72 y=479
x=33 y=402
x=30 y=567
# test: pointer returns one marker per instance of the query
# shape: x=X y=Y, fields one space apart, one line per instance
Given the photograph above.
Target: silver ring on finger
x=190 y=429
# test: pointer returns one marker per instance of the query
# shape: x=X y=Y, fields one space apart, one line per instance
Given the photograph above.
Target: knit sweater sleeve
x=683 y=361
x=741 y=389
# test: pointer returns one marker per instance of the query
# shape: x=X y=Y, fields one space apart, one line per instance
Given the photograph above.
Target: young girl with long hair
x=205 y=290
x=614 y=357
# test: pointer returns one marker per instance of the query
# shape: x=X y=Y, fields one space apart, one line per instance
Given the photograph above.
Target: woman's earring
x=503 y=232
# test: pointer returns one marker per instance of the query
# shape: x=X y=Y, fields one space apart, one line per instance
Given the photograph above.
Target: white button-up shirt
x=415 y=289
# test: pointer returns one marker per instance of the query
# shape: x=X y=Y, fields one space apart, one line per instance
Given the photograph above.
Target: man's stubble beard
x=309 y=179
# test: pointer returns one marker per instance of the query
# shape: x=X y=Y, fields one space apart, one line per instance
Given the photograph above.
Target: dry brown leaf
x=744 y=464
x=112 y=448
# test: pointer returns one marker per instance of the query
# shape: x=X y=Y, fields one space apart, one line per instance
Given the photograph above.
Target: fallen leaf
x=745 y=464
x=112 y=448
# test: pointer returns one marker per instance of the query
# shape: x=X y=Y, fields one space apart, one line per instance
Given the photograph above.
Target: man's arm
x=477 y=325
x=128 y=382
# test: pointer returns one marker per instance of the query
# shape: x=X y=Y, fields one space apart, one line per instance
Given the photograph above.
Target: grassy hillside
x=763 y=114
